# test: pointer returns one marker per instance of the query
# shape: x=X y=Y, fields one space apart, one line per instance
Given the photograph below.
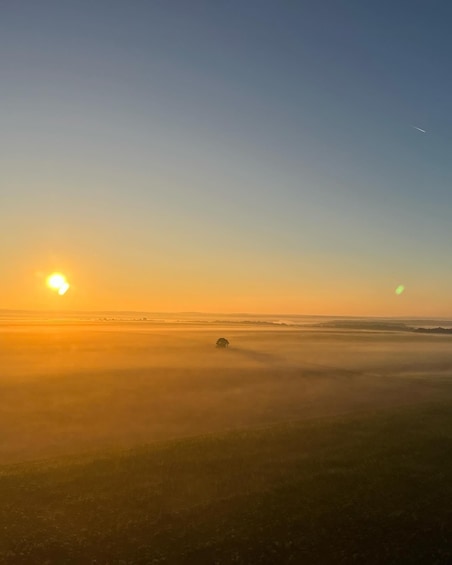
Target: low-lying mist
x=75 y=387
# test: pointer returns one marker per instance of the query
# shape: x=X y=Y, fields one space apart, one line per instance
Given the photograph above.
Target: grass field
x=130 y=443
x=362 y=489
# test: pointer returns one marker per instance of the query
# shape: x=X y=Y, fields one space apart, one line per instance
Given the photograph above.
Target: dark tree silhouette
x=222 y=342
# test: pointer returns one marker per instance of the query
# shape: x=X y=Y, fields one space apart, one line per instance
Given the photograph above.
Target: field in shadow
x=357 y=489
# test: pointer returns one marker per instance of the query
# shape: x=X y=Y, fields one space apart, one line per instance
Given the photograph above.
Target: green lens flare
x=399 y=289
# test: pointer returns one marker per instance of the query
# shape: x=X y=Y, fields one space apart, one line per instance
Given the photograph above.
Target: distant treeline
x=381 y=326
x=438 y=330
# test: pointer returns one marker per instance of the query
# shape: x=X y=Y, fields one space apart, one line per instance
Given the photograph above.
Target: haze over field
x=73 y=387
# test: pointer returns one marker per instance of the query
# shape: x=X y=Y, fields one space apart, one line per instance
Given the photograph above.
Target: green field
x=135 y=444
x=362 y=489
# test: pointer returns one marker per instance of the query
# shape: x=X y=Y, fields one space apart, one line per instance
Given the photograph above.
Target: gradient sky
x=239 y=155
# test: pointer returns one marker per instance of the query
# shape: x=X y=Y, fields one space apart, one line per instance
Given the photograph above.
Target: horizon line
x=194 y=312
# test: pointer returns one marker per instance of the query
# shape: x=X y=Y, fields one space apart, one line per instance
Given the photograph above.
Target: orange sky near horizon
x=186 y=286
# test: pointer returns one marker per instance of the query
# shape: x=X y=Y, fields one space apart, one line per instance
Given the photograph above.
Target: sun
x=58 y=282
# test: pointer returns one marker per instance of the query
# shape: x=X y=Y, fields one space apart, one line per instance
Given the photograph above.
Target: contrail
x=419 y=129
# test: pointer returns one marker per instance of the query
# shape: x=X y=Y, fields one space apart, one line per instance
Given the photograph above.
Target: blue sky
x=240 y=155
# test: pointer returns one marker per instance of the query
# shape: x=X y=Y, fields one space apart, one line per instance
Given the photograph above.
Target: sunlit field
x=144 y=443
x=70 y=388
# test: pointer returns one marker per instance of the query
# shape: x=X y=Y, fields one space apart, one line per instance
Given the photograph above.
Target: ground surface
x=340 y=449
x=372 y=489
x=71 y=388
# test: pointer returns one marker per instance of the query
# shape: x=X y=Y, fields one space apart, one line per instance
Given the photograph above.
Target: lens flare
x=399 y=290
x=63 y=289
x=58 y=282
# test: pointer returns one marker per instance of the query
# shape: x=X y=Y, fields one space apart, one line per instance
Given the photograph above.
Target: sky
x=228 y=156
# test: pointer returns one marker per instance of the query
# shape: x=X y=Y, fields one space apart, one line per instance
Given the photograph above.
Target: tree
x=222 y=342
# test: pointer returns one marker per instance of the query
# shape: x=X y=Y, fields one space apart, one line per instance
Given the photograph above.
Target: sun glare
x=58 y=282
